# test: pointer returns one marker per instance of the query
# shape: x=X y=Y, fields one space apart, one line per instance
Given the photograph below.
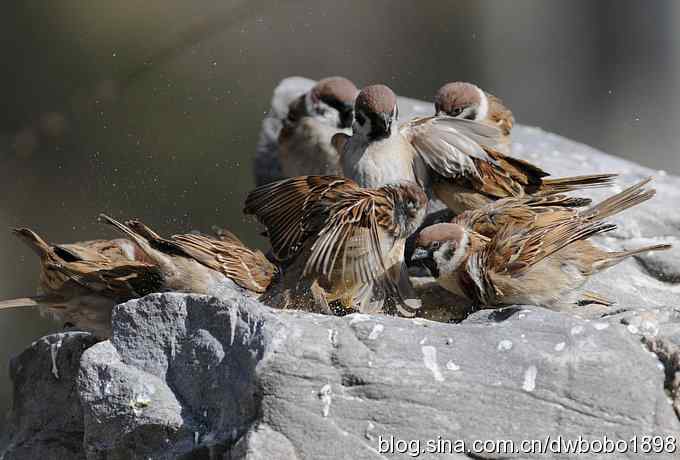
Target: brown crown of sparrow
x=304 y=143
x=466 y=100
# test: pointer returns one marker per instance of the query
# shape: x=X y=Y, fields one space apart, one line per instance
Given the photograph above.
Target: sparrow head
x=410 y=206
x=441 y=248
x=375 y=110
x=332 y=99
x=461 y=100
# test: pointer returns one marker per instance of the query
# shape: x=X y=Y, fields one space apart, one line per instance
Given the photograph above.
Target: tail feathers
x=632 y=196
x=570 y=184
x=142 y=230
x=26 y=302
x=635 y=252
x=590 y=298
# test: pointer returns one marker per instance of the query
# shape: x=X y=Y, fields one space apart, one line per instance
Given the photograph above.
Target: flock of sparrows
x=359 y=186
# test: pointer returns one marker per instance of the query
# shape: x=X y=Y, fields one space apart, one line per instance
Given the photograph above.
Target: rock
x=659 y=329
x=46 y=420
x=191 y=376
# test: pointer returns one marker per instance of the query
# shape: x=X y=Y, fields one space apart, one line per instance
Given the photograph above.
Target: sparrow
x=80 y=283
x=313 y=118
x=198 y=263
x=457 y=159
x=340 y=242
x=465 y=100
x=544 y=265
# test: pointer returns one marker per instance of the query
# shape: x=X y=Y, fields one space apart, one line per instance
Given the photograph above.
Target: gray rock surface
x=191 y=376
x=46 y=421
x=188 y=376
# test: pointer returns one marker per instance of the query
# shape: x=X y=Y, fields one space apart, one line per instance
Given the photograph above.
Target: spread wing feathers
x=352 y=232
x=515 y=249
x=356 y=238
x=283 y=207
x=449 y=145
x=500 y=114
x=247 y=268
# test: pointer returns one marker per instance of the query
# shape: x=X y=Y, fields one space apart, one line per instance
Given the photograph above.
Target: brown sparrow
x=465 y=100
x=339 y=241
x=81 y=282
x=535 y=265
x=198 y=263
x=313 y=118
x=457 y=158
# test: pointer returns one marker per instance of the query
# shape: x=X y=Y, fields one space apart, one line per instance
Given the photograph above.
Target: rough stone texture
x=192 y=376
x=46 y=421
x=195 y=377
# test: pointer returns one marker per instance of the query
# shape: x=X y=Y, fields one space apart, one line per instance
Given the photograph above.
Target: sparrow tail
x=29 y=302
x=570 y=184
x=139 y=239
x=632 y=196
x=633 y=252
x=18 y=303
x=591 y=298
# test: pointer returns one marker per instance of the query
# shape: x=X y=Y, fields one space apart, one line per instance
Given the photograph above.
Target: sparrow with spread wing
x=339 y=241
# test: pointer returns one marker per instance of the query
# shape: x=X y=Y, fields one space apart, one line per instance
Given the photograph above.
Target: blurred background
x=152 y=109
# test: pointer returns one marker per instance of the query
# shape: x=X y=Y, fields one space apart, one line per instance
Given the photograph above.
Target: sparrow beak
x=422 y=257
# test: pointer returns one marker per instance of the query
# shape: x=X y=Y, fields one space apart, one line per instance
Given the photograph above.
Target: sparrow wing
x=283 y=207
x=515 y=249
x=359 y=235
x=351 y=231
x=450 y=145
x=530 y=211
x=121 y=280
x=247 y=268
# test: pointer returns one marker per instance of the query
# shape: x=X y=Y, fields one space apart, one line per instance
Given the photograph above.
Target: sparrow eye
x=361 y=119
x=457 y=111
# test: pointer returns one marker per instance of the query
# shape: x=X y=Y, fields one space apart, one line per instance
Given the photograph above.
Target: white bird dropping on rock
x=529 y=379
x=375 y=333
x=430 y=360
x=325 y=396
